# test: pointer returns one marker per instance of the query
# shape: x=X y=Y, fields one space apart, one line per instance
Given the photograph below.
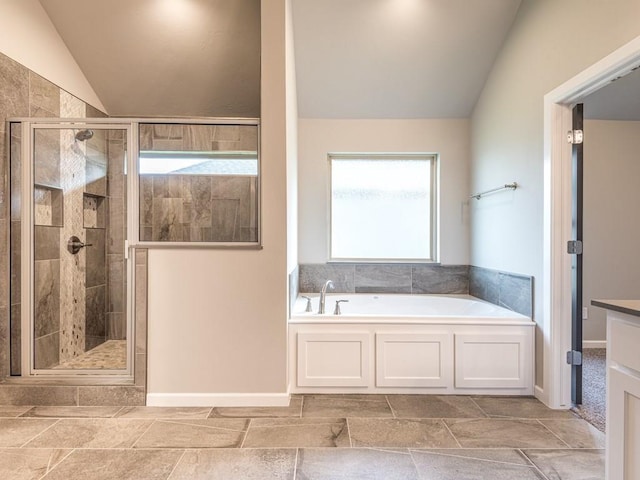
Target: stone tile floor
x=110 y=354
x=421 y=437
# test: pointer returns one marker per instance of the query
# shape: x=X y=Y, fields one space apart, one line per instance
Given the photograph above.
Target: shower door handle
x=74 y=245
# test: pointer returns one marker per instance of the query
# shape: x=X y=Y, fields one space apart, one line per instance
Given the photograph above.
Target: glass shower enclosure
x=70 y=271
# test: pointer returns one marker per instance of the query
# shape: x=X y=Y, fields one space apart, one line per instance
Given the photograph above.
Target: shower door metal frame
x=27 y=320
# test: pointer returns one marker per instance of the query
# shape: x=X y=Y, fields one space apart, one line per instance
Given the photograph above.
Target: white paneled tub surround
x=384 y=343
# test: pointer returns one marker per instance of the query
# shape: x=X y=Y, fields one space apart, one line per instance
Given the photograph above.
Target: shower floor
x=111 y=354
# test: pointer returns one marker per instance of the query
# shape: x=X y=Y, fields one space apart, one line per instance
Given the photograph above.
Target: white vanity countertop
x=630 y=307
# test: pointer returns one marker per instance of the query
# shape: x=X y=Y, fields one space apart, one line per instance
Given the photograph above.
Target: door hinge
x=575 y=137
x=574 y=247
x=574 y=357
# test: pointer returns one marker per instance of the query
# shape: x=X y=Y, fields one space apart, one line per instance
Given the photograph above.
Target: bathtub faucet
x=323 y=293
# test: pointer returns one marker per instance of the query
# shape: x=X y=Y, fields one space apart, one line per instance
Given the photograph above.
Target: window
x=199 y=183
x=383 y=207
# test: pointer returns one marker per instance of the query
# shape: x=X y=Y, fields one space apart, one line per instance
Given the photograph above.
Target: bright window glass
x=383 y=207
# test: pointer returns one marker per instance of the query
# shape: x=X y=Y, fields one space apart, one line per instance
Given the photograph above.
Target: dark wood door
x=576 y=264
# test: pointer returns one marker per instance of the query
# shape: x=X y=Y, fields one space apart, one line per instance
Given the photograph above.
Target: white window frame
x=433 y=214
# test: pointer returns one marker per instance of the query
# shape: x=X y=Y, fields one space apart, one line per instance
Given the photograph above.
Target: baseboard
x=594 y=344
x=218 y=399
x=539 y=393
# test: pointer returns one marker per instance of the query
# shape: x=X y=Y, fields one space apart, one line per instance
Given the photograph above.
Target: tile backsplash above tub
x=512 y=291
x=508 y=290
x=386 y=278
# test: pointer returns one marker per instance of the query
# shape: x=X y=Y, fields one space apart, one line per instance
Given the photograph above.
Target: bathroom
x=294 y=241
x=199 y=325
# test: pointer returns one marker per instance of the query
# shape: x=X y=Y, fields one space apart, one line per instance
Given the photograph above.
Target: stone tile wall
x=507 y=290
x=116 y=325
x=191 y=208
x=198 y=207
x=386 y=278
x=25 y=94
x=198 y=138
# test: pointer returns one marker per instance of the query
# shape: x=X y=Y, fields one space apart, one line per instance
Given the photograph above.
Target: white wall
x=292 y=147
x=28 y=37
x=318 y=137
x=550 y=42
x=611 y=264
x=218 y=318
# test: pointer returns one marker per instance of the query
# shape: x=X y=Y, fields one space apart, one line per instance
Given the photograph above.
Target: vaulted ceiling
x=396 y=58
x=166 y=57
x=354 y=58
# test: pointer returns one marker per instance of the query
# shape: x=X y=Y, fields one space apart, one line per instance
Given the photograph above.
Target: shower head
x=83 y=135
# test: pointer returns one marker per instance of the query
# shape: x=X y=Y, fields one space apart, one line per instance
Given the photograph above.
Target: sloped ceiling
x=396 y=58
x=166 y=57
x=354 y=58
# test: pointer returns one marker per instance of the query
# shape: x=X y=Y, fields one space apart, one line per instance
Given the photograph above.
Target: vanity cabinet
x=623 y=389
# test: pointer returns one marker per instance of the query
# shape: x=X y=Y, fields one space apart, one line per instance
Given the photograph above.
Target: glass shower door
x=79 y=317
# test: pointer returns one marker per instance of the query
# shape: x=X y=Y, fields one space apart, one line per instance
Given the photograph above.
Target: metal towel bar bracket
x=508 y=186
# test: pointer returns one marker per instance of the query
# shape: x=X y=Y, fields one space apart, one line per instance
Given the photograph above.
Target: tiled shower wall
x=26 y=94
x=198 y=207
x=508 y=290
x=116 y=309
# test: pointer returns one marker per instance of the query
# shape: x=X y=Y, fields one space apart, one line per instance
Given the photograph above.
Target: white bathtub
x=401 y=307
x=387 y=343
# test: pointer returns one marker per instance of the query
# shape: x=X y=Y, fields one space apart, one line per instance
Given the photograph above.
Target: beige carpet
x=594 y=387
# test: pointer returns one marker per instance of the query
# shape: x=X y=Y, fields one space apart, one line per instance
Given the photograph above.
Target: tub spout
x=328 y=285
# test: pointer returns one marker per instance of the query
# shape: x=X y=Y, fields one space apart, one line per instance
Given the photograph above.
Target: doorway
x=557 y=179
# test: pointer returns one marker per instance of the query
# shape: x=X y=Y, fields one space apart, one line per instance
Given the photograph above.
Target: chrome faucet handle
x=74 y=245
x=327 y=285
x=336 y=311
x=308 y=299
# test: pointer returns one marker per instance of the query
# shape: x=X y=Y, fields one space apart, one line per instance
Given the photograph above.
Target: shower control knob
x=74 y=245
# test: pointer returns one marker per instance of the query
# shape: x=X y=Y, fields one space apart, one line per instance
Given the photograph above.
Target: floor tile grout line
x=346 y=421
x=554 y=434
x=302 y=406
x=37 y=435
x=295 y=464
x=442 y=420
x=48 y=465
x=115 y=415
x=22 y=415
x=430 y=450
x=133 y=445
x=544 y=476
x=184 y=452
x=479 y=407
x=57 y=464
x=393 y=413
x=246 y=433
x=380 y=448
x=299 y=425
x=413 y=461
x=179 y=421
